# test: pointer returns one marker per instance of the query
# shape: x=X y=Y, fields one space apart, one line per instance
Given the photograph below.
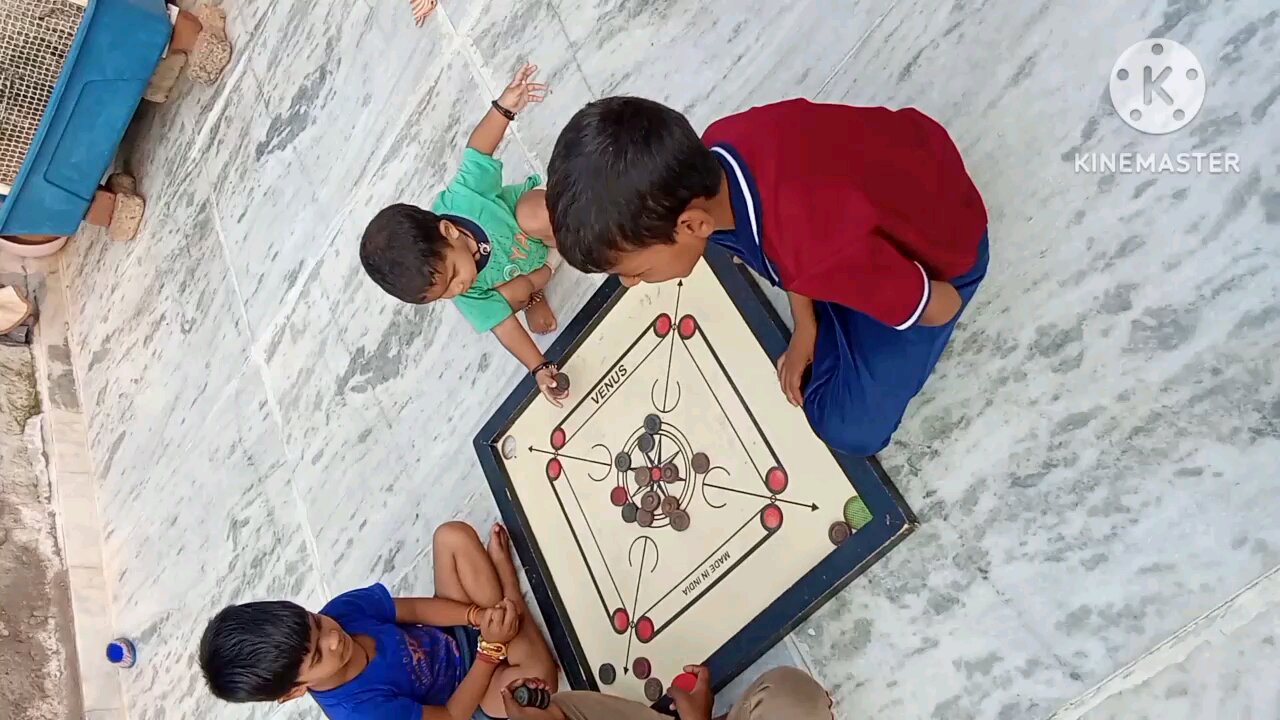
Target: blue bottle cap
x=115 y=652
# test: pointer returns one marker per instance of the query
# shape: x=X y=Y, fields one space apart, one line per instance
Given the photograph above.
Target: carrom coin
x=629 y=512
x=652 y=424
x=650 y=501
x=653 y=689
x=641 y=476
x=670 y=504
x=644 y=518
x=670 y=473
x=562 y=381
x=646 y=443
x=622 y=461
x=642 y=668
x=700 y=462
x=680 y=520
x=608 y=674
x=839 y=532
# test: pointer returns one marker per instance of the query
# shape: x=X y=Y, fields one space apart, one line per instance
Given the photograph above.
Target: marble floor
x=1094 y=462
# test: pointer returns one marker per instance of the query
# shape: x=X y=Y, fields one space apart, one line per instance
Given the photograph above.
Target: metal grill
x=35 y=36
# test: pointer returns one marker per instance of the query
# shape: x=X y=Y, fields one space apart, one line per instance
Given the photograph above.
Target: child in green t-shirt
x=483 y=244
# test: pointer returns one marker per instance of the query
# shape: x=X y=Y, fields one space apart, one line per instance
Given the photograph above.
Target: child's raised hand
x=523 y=90
x=696 y=704
x=421 y=9
x=499 y=624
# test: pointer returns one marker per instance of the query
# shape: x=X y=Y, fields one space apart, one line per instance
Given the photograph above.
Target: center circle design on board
x=655 y=473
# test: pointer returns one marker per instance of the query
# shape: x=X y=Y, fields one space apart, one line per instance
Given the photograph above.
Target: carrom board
x=678 y=510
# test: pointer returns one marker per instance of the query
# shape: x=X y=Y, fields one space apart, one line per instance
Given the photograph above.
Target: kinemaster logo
x=1157 y=87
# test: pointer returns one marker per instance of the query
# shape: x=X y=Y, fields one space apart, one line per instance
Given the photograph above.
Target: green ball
x=856 y=513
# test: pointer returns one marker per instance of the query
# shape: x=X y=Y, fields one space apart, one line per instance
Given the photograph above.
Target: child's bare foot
x=540 y=317
x=500 y=554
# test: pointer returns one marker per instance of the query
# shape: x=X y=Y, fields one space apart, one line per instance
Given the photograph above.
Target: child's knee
x=849 y=427
x=785 y=692
x=532 y=215
x=454 y=534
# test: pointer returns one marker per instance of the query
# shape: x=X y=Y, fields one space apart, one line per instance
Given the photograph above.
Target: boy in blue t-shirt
x=369 y=656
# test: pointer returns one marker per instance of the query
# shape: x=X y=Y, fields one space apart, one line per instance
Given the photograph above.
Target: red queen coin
x=619 y=496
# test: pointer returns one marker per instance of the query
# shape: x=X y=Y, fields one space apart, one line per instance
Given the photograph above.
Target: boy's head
x=627 y=191
x=271 y=651
x=418 y=256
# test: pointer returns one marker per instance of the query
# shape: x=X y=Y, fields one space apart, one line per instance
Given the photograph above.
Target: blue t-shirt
x=413 y=665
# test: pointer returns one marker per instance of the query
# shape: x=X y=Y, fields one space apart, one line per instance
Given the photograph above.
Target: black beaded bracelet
x=543 y=366
x=510 y=116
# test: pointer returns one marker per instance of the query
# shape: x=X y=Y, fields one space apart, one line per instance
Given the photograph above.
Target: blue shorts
x=864 y=372
x=468 y=639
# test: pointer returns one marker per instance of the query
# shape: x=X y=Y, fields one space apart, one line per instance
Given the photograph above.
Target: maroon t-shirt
x=859 y=206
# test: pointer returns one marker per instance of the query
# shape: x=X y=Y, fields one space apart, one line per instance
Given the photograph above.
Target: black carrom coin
x=839 y=532
x=700 y=462
x=650 y=501
x=608 y=674
x=653 y=689
x=680 y=520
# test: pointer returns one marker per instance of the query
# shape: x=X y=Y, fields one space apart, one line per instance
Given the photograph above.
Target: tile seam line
x=259 y=363
x=573 y=49
x=854 y=50
x=1089 y=699
x=478 y=71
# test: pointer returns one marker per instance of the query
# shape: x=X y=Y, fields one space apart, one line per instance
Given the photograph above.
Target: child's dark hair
x=254 y=652
x=402 y=249
x=622 y=172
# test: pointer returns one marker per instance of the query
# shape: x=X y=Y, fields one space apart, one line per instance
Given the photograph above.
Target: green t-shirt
x=477 y=194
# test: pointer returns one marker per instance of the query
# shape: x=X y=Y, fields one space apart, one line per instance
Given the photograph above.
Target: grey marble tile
x=924 y=634
x=1098 y=431
x=502 y=34
x=712 y=61
x=223 y=527
x=339 y=79
x=167 y=340
x=366 y=508
x=1213 y=669
x=269 y=211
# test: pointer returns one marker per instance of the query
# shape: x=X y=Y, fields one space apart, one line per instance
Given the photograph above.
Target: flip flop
x=14 y=310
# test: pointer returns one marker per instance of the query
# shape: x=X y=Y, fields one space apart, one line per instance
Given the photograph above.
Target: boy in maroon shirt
x=865 y=216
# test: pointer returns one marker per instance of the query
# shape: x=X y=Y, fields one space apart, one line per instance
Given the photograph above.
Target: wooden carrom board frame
x=893 y=521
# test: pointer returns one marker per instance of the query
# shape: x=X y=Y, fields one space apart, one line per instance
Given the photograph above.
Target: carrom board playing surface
x=678 y=510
